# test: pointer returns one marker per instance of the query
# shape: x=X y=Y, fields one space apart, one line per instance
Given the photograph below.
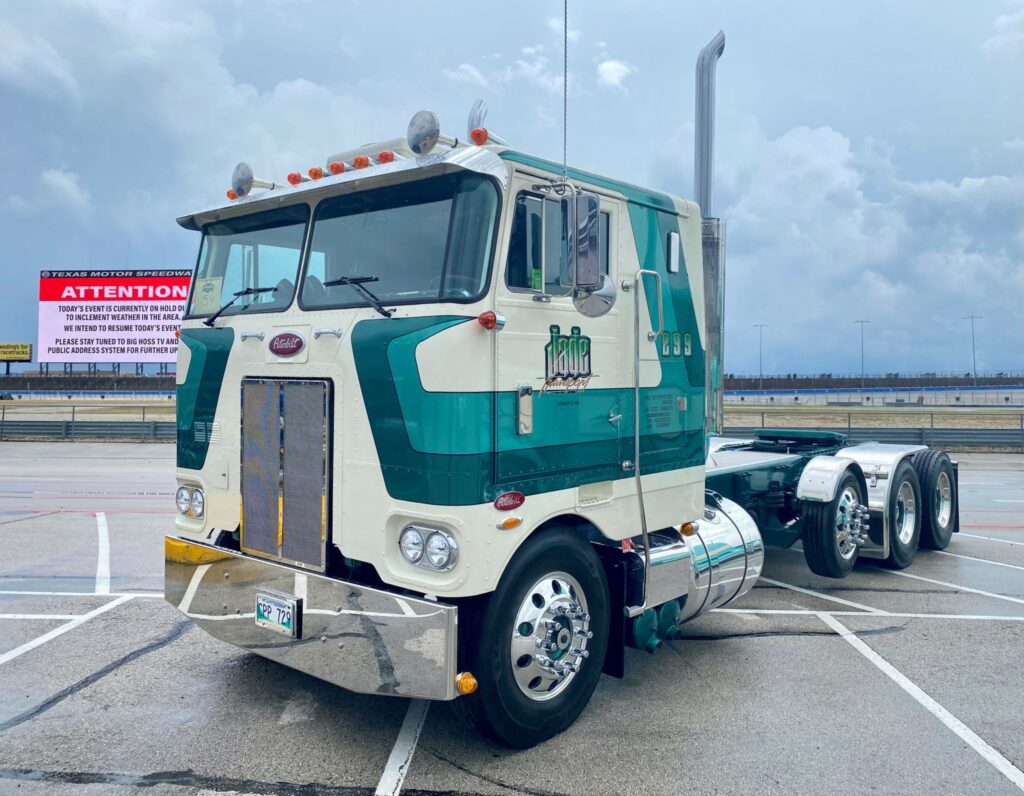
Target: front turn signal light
x=465 y=683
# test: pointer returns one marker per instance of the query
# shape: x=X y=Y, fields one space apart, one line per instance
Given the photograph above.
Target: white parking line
x=958 y=587
x=102 y=554
x=1007 y=500
x=991 y=539
x=39 y=616
x=980 y=560
x=821 y=596
x=57 y=631
x=885 y=615
x=80 y=593
x=965 y=733
x=405 y=745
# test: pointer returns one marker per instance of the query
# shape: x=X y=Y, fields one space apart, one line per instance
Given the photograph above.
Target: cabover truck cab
x=441 y=432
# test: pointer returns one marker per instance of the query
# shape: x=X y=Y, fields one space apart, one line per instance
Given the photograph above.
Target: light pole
x=974 y=356
x=862 y=355
x=760 y=354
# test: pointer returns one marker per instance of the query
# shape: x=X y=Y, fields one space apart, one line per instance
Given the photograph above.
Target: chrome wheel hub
x=549 y=639
x=906 y=512
x=851 y=523
x=943 y=500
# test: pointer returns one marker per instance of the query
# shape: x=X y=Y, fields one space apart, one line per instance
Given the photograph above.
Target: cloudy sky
x=870 y=158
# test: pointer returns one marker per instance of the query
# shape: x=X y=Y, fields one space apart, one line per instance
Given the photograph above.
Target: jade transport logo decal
x=566 y=361
x=286 y=344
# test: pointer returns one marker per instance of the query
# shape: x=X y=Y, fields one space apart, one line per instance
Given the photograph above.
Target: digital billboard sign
x=110 y=316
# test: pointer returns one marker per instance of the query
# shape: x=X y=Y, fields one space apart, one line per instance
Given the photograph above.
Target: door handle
x=644 y=272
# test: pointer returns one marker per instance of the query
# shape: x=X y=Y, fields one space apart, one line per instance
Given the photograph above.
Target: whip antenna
x=565 y=88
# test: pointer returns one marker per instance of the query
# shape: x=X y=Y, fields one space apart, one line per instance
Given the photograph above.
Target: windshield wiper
x=357 y=283
x=249 y=291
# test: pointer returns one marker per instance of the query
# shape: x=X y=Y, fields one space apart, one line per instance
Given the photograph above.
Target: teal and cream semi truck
x=442 y=433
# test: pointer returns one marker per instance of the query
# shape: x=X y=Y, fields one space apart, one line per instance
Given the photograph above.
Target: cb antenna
x=565 y=89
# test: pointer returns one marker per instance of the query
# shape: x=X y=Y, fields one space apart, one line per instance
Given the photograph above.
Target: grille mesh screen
x=305 y=437
x=261 y=434
x=299 y=474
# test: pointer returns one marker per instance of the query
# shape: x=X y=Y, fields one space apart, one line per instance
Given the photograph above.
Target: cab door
x=559 y=374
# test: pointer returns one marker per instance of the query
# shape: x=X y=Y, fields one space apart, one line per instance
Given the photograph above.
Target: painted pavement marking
x=965 y=733
x=958 y=587
x=405 y=745
x=820 y=596
x=102 y=554
x=57 y=631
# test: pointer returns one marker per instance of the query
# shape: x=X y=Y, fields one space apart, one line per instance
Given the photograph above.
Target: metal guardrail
x=150 y=430
x=932 y=437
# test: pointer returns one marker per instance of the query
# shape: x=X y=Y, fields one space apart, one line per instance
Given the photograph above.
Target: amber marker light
x=465 y=683
x=478 y=135
x=336 y=167
x=315 y=173
x=387 y=156
x=232 y=195
x=509 y=523
x=360 y=161
x=687 y=529
x=294 y=178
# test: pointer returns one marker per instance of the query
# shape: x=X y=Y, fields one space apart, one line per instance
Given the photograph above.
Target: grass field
x=864 y=417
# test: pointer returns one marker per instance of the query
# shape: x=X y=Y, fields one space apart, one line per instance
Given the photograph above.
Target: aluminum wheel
x=847 y=524
x=943 y=500
x=549 y=640
x=906 y=512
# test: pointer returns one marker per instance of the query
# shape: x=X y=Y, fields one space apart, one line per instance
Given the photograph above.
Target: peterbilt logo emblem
x=286 y=344
x=509 y=501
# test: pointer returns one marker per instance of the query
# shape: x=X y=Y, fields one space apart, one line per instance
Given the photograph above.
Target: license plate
x=278 y=612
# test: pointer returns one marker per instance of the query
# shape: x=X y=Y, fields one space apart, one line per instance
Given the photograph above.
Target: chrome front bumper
x=359 y=638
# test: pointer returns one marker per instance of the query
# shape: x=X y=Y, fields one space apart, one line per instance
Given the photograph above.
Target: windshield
x=257 y=251
x=428 y=240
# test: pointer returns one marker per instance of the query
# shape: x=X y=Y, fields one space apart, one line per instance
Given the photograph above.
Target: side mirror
x=584 y=210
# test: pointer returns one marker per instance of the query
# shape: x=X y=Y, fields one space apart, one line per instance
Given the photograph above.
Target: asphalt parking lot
x=884 y=682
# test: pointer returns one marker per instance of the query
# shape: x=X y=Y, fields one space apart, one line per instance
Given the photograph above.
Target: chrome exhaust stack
x=694 y=569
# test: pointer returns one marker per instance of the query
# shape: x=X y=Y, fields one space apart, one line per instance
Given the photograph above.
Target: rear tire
x=828 y=548
x=904 y=511
x=939 y=498
x=519 y=702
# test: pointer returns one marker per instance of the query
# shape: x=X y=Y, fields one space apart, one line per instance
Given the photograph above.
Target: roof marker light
x=336 y=167
x=387 y=156
x=360 y=161
x=316 y=173
x=232 y=195
x=479 y=135
x=294 y=178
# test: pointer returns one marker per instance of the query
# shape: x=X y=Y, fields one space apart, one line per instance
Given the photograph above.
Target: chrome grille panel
x=284 y=473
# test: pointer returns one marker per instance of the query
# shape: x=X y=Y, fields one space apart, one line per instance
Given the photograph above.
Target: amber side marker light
x=232 y=195
x=337 y=167
x=294 y=178
x=315 y=173
x=509 y=523
x=465 y=683
x=478 y=135
x=360 y=161
x=387 y=156
x=687 y=529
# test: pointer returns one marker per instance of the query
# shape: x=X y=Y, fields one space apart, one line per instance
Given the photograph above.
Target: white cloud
x=465 y=73
x=30 y=64
x=555 y=26
x=612 y=72
x=1008 y=37
x=1014 y=144
x=65 y=188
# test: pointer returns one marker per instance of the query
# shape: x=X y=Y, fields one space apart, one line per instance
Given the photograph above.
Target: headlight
x=198 y=503
x=441 y=550
x=411 y=543
x=428 y=547
x=183 y=498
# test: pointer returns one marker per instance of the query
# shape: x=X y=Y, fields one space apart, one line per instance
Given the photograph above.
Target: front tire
x=905 y=511
x=541 y=641
x=829 y=535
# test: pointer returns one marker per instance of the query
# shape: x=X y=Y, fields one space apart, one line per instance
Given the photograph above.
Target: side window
x=538 y=251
